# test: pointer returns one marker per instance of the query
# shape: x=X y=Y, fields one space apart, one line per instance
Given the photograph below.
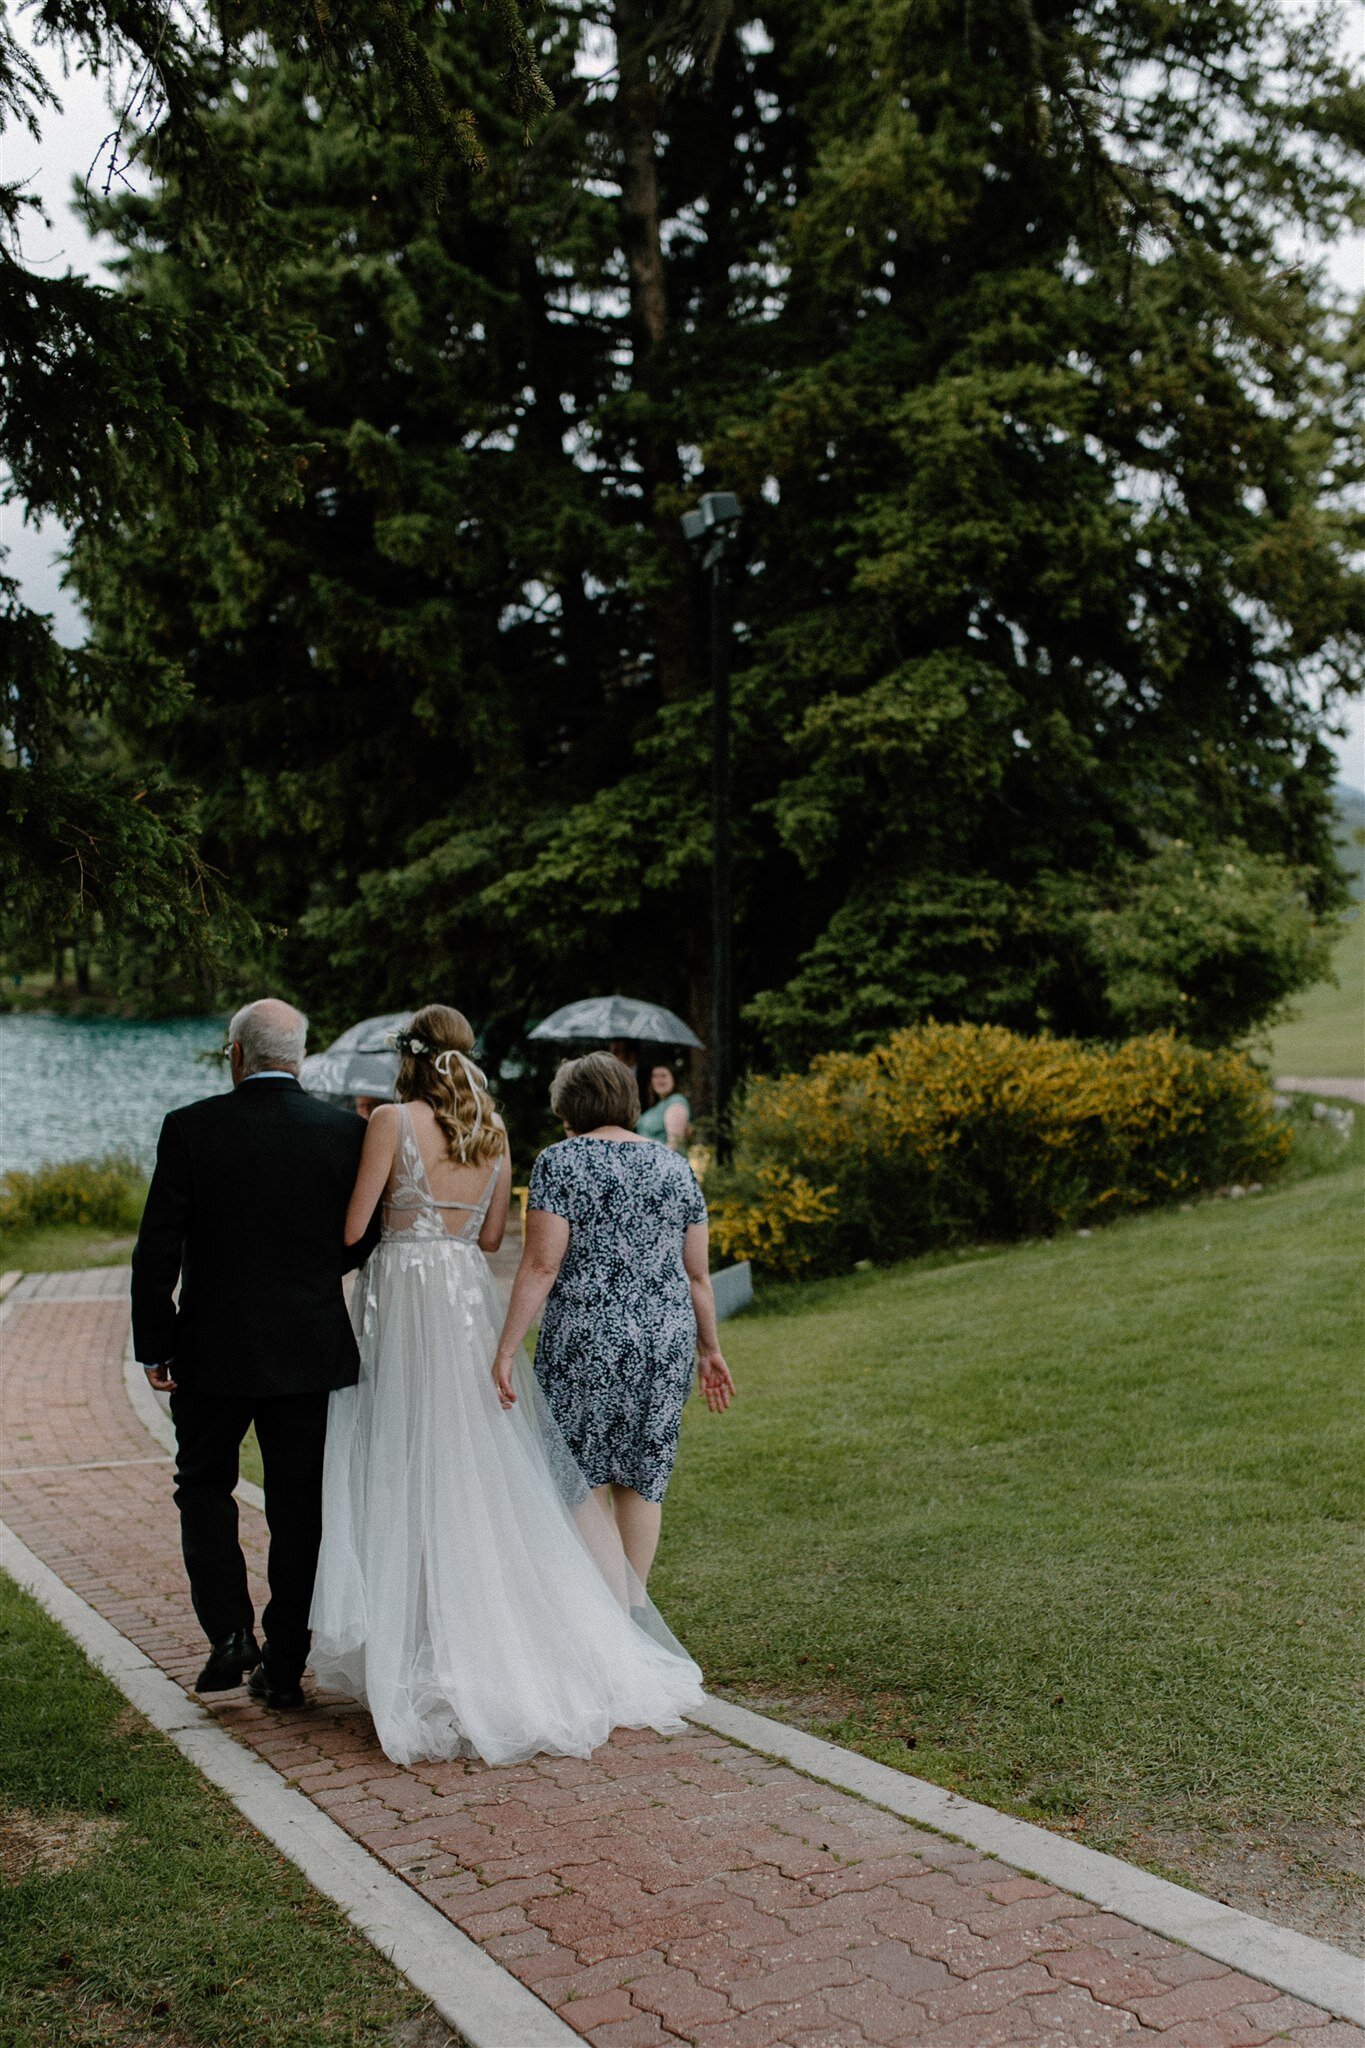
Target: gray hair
x=595 y=1090
x=271 y=1034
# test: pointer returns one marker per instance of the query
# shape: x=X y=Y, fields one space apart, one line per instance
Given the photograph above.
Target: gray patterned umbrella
x=360 y=1062
x=616 y=1017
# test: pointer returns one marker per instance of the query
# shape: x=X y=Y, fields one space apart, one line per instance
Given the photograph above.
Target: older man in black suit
x=246 y=1211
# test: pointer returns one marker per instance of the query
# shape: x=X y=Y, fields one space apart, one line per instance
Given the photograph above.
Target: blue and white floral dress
x=618 y=1338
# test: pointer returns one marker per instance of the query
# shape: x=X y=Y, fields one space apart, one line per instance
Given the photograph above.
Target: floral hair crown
x=407 y=1042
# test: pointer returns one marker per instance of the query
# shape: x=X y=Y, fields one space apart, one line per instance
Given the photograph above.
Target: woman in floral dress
x=616 y=1256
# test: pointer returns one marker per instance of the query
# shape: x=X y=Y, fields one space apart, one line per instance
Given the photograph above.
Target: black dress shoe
x=271 y=1693
x=229 y=1662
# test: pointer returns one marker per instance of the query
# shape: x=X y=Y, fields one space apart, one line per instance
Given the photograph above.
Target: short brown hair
x=594 y=1090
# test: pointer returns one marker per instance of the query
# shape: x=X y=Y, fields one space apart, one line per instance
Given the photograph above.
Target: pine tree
x=1044 y=458
x=1045 y=450
x=94 y=385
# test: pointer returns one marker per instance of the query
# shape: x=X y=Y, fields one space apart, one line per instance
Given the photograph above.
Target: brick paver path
x=670 y=1890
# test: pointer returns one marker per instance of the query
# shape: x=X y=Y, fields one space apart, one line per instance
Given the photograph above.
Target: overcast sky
x=70 y=142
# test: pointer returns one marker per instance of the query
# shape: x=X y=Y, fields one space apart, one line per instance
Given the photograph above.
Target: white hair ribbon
x=477 y=1080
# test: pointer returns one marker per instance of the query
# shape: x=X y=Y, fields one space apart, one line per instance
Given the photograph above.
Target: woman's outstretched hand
x=713 y=1377
x=502 y=1381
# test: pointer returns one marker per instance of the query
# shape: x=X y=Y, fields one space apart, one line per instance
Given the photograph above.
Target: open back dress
x=470 y=1590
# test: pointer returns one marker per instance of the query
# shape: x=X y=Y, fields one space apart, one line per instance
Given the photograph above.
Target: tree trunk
x=550 y=420
x=637 y=118
x=696 y=936
x=671 y=611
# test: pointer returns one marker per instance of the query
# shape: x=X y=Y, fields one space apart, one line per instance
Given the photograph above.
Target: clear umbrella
x=616 y=1017
x=360 y=1062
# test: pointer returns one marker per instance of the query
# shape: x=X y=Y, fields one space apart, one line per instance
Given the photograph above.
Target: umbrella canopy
x=360 y=1062
x=617 y=1017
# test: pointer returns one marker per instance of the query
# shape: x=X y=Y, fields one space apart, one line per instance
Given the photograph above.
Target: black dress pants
x=291 y=1430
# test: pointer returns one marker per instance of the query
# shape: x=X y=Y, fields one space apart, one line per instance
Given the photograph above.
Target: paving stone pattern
x=671 y=1889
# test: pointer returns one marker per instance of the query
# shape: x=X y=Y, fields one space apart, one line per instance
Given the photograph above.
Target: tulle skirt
x=470 y=1591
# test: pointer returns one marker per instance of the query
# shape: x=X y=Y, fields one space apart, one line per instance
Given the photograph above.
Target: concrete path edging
x=1296 y=1963
x=1336 y=1085
x=481 y=2002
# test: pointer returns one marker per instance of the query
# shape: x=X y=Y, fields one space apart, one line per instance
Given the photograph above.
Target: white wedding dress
x=470 y=1591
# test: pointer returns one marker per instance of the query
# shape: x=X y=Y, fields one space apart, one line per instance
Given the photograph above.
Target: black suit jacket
x=247 y=1210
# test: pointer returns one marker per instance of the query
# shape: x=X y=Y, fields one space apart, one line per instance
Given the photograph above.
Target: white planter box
x=733 y=1288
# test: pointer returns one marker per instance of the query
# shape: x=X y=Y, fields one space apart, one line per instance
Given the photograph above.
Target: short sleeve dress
x=652 y=1125
x=617 y=1342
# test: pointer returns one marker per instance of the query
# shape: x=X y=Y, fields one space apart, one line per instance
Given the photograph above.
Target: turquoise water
x=74 y=1088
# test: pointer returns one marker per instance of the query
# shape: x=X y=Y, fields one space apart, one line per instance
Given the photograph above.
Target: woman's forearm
x=704 y=1308
x=358 y=1219
x=530 y=1291
x=372 y=1174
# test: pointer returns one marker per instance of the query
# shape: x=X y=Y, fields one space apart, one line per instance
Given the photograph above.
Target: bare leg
x=638 y=1520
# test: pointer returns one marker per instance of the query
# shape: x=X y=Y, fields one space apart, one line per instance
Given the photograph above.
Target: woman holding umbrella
x=632 y=1028
x=668 y=1120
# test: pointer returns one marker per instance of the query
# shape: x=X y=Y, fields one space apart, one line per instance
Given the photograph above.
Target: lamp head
x=719 y=508
x=716 y=516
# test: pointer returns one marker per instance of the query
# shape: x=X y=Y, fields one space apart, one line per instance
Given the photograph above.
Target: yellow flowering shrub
x=774 y=1217
x=104 y=1192
x=963 y=1132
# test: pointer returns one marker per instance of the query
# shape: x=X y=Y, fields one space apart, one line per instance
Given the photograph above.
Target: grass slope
x=1074 y=1519
x=176 y=1923
x=1327 y=1036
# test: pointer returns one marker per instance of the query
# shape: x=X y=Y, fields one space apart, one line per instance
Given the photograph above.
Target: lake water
x=75 y=1088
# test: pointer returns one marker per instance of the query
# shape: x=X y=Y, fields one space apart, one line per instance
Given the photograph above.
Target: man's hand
x=713 y=1377
x=159 y=1377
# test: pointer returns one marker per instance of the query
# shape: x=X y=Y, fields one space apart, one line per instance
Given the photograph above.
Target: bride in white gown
x=470 y=1590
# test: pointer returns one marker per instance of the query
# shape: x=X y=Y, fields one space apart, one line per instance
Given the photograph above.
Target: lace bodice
x=411 y=1210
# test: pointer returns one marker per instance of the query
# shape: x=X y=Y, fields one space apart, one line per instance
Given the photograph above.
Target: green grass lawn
x=1327 y=1038
x=172 y=1921
x=1070 y=1527
x=63 y=1248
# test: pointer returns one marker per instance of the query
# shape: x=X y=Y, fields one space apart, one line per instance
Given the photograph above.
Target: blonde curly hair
x=435 y=1066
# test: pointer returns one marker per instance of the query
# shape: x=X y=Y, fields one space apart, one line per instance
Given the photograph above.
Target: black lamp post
x=711 y=530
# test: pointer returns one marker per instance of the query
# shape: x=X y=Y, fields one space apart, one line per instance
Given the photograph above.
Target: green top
x=651 y=1124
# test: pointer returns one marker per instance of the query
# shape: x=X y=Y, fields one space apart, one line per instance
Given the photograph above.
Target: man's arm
x=160 y=1248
